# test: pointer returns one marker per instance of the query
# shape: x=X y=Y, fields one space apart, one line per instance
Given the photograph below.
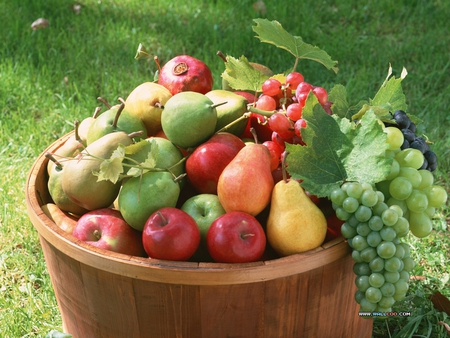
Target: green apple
x=204 y=209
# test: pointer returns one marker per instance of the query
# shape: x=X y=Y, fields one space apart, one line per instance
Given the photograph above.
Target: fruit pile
x=268 y=166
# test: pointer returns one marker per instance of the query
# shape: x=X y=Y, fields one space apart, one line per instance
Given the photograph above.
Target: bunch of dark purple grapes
x=408 y=129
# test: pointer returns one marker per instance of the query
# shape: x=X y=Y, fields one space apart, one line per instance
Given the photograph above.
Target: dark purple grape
x=430 y=156
x=420 y=144
x=402 y=119
x=412 y=127
x=432 y=166
x=408 y=135
x=424 y=164
x=405 y=144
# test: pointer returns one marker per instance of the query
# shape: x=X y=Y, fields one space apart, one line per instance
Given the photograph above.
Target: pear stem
x=158 y=64
x=222 y=56
x=218 y=104
x=283 y=165
x=255 y=135
x=119 y=111
x=76 y=123
x=229 y=125
x=96 y=112
x=54 y=160
x=102 y=100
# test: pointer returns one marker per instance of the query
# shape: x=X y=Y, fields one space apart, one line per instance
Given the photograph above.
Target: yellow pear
x=295 y=224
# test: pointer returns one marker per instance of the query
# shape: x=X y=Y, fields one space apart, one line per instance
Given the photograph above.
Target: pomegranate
x=186 y=73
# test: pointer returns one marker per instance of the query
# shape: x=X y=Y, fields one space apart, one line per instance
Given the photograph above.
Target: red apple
x=106 y=229
x=171 y=234
x=236 y=237
x=206 y=163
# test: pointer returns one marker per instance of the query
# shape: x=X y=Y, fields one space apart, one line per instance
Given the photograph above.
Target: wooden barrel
x=105 y=294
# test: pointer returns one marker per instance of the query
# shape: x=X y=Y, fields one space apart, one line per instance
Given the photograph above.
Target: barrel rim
x=156 y=270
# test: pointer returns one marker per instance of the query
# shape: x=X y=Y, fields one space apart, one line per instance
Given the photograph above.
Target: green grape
x=368 y=254
x=373 y=295
x=354 y=189
x=369 y=198
x=347 y=230
x=394 y=137
x=395 y=169
x=359 y=243
x=399 y=251
x=400 y=188
x=417 y=201
x=378 y=208
x=404 y=275
x=437 y=196
x=383 y=187
x=427 y=179
x=366 y=186
x=393 y=264
x=389 y=217
x=377 y=264
x=401 y=227
x=398 y=209
x=386 y=249
x=361 y=269
x=401 y=286
x=388 y=289
x=342 y=214
x=386 y=302
x=420 y=224
x=409 y=264
x=391 y=277
x=373 y=239
x=375 y=223
x=376 y=280
x=399 y=296
x=410 y=157
x=363 y=213
x=353 y=221
x=399 y=203
x=412 y=175
x=350 y=204
x=362 y=283
x=430 y=211
x=363 y=229
x=366 y=306
x=388 y=234
x=344 y=187
x=356 y=255
x=380 y=197
x=407 y=249
x=359 y=295
x=337 y=196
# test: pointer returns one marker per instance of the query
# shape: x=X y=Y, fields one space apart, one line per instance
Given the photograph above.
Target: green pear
x=234 y=108
x=147 y=101
x=189 y=119
x=78 y=180
x=85 y=124
x=56 y=192
x=117 y=118
x=295 y=223
x=140 y=197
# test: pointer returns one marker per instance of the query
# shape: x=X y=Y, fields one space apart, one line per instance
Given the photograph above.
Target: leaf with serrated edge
x=337 y=151
x=110 y=169
x=241 y=75
x=272 y=32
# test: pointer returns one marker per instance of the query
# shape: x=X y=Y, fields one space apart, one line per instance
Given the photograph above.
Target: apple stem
x=54 y=160
x=162 y=217
x=283 y=165
x=96 y=112
x=222 y=56
x=97 y=234
x=247 y=235
x=102 y=100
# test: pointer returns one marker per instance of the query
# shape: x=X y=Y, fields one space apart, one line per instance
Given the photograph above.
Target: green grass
x=50 y=77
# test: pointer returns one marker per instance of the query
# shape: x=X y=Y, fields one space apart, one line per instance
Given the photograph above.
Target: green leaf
x=337 y=150
x=338 y=95
x=241 y=75
x=272 y=32
x=111 y=169
x=57 y=334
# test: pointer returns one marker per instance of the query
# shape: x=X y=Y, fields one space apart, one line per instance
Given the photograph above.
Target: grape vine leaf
x=273 y=33
x=337 y=150
x=111 y=169
x=241 y=75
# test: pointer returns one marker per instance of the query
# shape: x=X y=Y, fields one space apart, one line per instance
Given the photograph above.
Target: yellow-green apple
x=236 y=237
x=106 y=229
x=170 y=234
x=206 y=163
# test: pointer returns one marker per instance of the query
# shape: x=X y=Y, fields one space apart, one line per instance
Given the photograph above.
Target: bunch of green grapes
x=377 y=217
